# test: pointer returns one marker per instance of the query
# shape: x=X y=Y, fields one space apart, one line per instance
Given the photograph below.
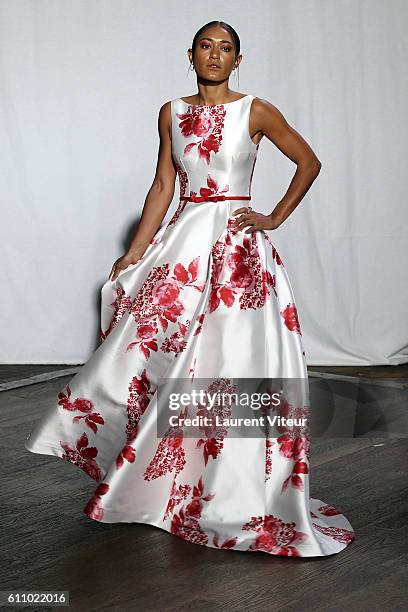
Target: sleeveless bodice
x=212 y=147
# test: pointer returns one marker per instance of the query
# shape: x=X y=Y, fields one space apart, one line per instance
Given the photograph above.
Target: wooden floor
x=49 y=544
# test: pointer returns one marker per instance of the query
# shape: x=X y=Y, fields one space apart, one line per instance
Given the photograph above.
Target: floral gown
x=204 y=300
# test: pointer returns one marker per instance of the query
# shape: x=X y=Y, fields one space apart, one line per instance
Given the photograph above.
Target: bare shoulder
x=264 y=111
x=165 y=109
x=164 y=118
x=269 y=120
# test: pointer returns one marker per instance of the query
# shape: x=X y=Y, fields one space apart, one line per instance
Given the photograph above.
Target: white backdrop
x=81 y=84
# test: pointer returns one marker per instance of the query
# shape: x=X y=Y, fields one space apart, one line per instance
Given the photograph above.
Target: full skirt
x=205 y=301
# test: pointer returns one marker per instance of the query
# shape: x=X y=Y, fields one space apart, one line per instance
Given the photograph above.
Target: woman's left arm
x=268 y=120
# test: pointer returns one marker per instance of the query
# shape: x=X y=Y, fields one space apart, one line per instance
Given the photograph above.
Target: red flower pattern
x=328 y=510
x=183 y=182
x=200 y=321
x=176 y=343
x=170 y=455
x=121 y=305
x=159 y=301
x=186 y=524
x=147 y=332
x=91 y=419
x=205 y=124
x=345 y=536
x=268 y=458
x=246 y=279
x=94 y=507
x=293 y=444
x=127 y=453
x=177 y=495
x=290 y=317
x=274 y=536
x=212 y=188
x=230 y=543
x=275 y=253
x=213 y=443
x=141 y=391
x=83 y=456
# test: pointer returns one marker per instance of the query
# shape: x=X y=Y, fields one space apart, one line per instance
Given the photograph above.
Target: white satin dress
x=205 y=300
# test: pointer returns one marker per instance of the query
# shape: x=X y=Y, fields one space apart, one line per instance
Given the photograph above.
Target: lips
x=213 y=66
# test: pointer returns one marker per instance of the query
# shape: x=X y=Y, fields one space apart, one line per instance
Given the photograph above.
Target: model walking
x=207 y=295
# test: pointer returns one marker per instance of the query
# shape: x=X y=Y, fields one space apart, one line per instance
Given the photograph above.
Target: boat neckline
x=210 y=105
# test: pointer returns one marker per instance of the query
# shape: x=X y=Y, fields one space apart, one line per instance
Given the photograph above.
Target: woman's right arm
x=158 y=198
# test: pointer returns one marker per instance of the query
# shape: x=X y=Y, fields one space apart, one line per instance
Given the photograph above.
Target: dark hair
x=222 y=24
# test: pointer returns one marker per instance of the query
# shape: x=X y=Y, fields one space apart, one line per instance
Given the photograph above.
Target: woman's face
x=214 y=55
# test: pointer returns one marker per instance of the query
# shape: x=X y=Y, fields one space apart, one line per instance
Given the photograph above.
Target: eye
x=227 y=48
x=204 y=45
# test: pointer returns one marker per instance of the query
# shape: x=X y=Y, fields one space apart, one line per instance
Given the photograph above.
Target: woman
x=205 y=297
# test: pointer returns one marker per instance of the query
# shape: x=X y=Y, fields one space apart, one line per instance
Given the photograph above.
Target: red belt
x=213 y=198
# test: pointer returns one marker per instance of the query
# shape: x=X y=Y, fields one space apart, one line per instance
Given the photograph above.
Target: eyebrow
x=213 y=39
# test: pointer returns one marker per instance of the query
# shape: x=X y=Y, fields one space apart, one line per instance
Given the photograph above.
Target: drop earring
x=236 y=73
x=190 y=68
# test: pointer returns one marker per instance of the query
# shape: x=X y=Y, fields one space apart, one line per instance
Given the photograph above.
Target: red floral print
x=159 y=300
x=289 y=411
x=276 y=257
x=158 y=297
x=217 y=292
x=127 y=453
x=186 y=524
x=247 y=277
x=212 y=188
x=296 y=448
x=183 y=182
x=183 y=179
x=83 y=456
x=94 y=508
x=247 y=274
x=345 y=536
x=292 y=447
x=213 y=442
x=274 y=536
x=230 y=543
x=177 y=495
x=299 y=467
x=181 y=206
x=147 y=332
x=160 y=293
x=141 y=391
x=293 y=444
x=170 y=455
x=91 y=419
x=211 y=447
x=328 y=510
x=200 y=321
x=275 y=253
x=121 y=305
x=268 y=442
x=176 y=343
x=268 y=458
x=290 y=317
x=205 y=124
